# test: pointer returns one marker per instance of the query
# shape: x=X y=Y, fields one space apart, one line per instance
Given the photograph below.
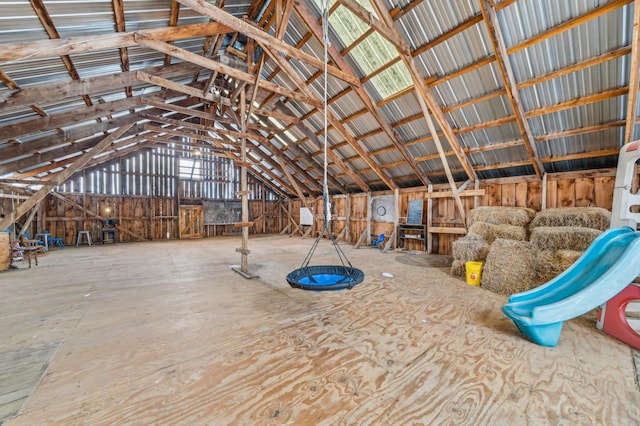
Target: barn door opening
x=191 y=222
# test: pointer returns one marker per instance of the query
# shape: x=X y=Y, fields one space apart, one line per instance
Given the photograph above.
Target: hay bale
x=509 y=267
x=490 y=232
x=563 y=237
x=518 y=216
x=549 y=264
x=470 y=247
x=585 y=217
x=568 y=257
x=458 y=269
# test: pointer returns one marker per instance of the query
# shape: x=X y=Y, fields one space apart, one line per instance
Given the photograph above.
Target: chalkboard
x=219 y=212
x=414 y=217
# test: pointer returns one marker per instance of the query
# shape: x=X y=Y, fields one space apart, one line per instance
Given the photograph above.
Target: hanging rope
x=347 y=276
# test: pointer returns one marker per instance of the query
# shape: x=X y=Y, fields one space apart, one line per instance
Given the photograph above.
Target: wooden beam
x=499 y=46
x=56 y=91
x=381 y=28
x=331 y=118
x=12 y=52
x=60 y=151
x=161 y=119
x=571 y=23
x=179 y=87
x=385 y=126
x=634 y=77
x=60 y=178
x=212 y=65
x=264 y=38
x=41 y=124
x=313 y=140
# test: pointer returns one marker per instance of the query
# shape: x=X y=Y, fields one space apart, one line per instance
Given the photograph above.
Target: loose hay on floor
x=585 y=217
x=470 y=247
x=518 y=216
x=458 y=268
x=563 y=237
x=509 y=267
x=490 y=232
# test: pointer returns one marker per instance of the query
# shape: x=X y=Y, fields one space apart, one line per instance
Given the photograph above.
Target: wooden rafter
x=51 y=92
x=52 y=32
x=118 y=14
x=427 y=102
x=62 y=177
x=221 y=68
x=381 y=28
x=385 y=126
x=174 y=14
x=62 y=151
x=312 y=139
x=87 y=44
x=262 y=37
x=508 y=76
x=335 y=122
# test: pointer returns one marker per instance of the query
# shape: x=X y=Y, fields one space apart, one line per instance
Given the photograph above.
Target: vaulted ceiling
x=416 y=92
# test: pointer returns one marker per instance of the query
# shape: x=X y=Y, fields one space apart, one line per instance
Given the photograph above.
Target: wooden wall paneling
x=552 y=193
x=603 y=190
x=534 y=195
x=584 y=192
x=140 y=216
x=566 y=193
x=522 y=194
x=508 y=195
x=494 y=195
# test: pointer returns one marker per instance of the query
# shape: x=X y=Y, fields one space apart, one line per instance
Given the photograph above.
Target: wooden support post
x=369 y=218
x=475 y=197
x=544 y=192
x=244 y=267
x=429 y=221
x=396 y=221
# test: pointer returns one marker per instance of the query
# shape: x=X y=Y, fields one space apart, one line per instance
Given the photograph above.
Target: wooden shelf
x=412 y=232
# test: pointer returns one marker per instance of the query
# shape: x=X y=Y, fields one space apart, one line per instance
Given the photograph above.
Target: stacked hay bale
x=486 y=225
x=509 y=267
x=561 y=235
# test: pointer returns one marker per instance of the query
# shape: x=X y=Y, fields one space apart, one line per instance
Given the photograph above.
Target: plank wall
x=139 y=217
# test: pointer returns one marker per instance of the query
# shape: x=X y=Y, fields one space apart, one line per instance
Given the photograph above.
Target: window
x=372 y=53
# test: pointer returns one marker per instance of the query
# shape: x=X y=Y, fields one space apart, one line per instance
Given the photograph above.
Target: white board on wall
x=383 y=209
x=306 y=217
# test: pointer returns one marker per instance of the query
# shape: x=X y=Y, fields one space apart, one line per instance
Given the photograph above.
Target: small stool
x=79 y=239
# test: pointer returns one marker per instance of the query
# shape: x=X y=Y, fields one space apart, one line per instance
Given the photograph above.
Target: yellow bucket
x=474 y=271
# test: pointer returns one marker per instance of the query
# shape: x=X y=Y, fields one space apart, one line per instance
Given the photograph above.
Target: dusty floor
x=166 y=333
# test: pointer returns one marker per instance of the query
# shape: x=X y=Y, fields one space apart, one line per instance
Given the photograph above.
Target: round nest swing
x=325 y=277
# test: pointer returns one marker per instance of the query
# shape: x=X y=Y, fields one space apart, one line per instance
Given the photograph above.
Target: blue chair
x=378 y=242
x=54 y=240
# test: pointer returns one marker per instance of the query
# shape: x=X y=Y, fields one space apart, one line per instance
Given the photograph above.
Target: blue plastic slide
x=604 y=270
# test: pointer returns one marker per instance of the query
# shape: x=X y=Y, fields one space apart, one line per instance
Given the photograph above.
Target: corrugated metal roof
x=425 y=23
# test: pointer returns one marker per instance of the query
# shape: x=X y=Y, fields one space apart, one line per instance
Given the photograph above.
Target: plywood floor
x=166 y=333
